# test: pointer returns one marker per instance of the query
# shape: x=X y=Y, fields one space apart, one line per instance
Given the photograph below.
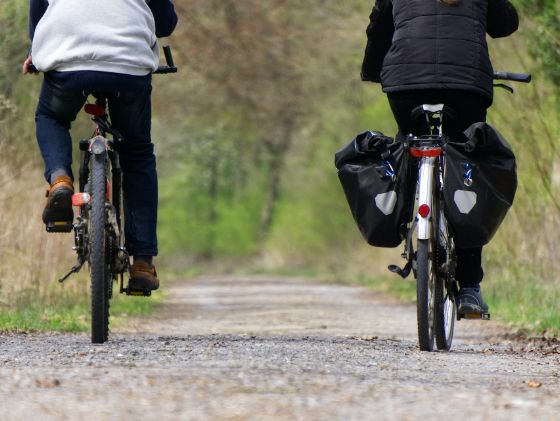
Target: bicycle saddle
x=420 y=112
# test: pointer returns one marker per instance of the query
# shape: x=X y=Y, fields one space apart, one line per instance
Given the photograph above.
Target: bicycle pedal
x=137 y=292
x=475 y=316
x=59 y=227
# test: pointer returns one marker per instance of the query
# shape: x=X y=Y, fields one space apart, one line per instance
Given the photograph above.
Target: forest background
x=245 y=135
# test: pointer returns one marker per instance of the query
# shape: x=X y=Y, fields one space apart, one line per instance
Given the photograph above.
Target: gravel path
x=263 y=348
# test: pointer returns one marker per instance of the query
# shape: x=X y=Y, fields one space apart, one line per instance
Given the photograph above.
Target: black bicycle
x=98 y=230
x=434 y=261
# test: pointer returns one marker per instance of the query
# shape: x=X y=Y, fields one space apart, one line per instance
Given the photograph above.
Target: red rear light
x=94 y=109
x=424 y=211
x=425 y=153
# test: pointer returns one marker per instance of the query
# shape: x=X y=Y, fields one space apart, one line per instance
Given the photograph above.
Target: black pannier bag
x=479 y=186
x=373 y=171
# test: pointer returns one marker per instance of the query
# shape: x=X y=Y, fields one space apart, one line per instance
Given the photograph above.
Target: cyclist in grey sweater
x=107 y=46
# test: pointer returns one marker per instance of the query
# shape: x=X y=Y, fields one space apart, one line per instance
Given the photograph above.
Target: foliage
x=245 y=135
x=545 y=34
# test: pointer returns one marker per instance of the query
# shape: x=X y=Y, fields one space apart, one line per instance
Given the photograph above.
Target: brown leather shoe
x=58 y=209
x=143 y=277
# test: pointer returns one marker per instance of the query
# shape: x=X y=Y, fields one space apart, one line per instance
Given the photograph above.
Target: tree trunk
x=212 y=213
x=277 y=157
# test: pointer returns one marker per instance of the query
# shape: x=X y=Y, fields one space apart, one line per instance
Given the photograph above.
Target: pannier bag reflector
x=465 y=201
x=386 y=202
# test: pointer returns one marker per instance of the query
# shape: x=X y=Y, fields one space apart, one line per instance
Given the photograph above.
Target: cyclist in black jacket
x=435 y=51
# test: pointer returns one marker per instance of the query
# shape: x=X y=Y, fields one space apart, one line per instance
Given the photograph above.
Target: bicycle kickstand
x=75 y=269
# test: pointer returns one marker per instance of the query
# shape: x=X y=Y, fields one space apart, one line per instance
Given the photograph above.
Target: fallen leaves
x=534 y=384
x=47 y=383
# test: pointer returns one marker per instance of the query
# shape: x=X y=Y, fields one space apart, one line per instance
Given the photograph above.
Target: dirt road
x=267 y=348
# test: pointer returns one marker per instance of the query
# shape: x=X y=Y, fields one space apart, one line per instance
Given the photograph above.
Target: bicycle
x=434 y=261
x=98 y=233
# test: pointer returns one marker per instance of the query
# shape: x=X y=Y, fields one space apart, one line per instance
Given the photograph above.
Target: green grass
x=525 y=302
x=75 y=318
x=40 y=319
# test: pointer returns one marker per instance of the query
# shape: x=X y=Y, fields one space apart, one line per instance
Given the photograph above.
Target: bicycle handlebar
x=514 y=77
x=170 y=68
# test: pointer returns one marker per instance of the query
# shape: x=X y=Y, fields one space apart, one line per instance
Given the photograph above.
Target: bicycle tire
x=445 y=311
x=98 y=255
x=425 y=296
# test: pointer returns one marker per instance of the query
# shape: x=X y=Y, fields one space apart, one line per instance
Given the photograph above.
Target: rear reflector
x=80 y=199
x=424 y=211
x=425 y=153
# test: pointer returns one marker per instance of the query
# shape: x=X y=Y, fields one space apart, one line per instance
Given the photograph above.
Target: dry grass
x=32 y=260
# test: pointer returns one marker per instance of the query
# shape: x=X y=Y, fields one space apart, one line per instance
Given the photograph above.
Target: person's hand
x=28 y=67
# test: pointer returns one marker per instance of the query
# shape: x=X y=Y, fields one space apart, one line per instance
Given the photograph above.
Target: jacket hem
x=459 y=87
x=100 y=66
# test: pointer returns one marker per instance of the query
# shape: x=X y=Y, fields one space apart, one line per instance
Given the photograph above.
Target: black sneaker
x=469 y=301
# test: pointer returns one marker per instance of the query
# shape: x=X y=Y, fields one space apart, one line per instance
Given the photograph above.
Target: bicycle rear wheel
x=98 y=251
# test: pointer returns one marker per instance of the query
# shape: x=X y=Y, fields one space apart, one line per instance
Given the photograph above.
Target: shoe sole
x=467 y=309
x=141 y=285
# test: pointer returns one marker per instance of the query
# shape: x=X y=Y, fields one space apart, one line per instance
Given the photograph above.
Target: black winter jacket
x=423 y=44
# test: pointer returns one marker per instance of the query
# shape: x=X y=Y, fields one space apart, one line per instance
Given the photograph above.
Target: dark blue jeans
x=129 y=98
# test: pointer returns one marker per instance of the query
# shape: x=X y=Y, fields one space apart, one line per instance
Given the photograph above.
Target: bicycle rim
x=98 y=257
x=445 y=307
x=425 y=295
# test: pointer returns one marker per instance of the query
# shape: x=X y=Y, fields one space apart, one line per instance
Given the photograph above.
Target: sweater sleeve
x=164 y=16
x=37 y=9
x=502 y=19
x=379 y=39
